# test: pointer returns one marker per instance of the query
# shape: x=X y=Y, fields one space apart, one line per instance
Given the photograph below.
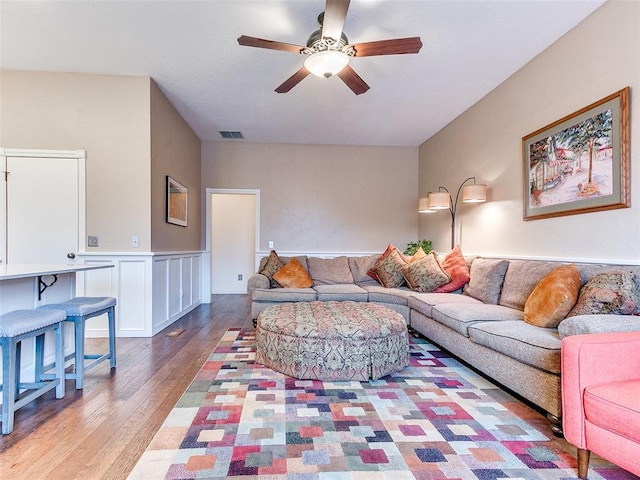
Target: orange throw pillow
x=293 y=275
x=416 y=256
x=554 y=297
x=456 y=266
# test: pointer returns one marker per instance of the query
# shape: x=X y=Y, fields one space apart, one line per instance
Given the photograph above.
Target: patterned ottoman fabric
x=332 y=340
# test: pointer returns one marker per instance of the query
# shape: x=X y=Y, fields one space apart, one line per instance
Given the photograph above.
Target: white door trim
x=206 y=257
x=79 y=155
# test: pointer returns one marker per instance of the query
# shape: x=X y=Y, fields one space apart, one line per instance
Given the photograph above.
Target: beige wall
x=599 y=57
x=319 y=198
x=133 y=138
x=175 y=151
x=107 y=116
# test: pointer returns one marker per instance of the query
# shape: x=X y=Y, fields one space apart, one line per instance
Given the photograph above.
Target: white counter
x=27 y=286
x=28 y=270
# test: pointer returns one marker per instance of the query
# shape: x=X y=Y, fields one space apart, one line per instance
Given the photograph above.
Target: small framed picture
x=176 y=202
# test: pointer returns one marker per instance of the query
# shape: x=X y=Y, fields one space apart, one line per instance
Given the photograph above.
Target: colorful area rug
x=436 y=419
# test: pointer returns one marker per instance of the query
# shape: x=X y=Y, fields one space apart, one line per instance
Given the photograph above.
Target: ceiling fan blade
x=293 y=80
x=270 y=44
x=335 y=11
x=396 y=46
x=353 y=80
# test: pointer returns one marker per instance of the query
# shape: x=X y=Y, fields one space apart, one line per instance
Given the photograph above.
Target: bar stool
x=79 y=310
x=15 y=327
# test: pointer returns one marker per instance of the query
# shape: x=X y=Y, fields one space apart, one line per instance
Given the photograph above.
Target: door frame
x=79 y=156
x=207 y=273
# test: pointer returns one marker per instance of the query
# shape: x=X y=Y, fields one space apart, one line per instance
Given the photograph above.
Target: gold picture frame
x=580 y=163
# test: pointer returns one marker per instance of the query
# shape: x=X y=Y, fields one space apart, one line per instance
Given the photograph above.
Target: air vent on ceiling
x=230 y=134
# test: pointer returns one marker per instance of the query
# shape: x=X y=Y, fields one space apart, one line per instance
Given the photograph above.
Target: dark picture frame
x=177 y=202
x=580 y=163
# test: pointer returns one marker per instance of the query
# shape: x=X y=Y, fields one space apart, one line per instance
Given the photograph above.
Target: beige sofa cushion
x=487 y=275
x=359 y=267
x=380 y=294
x=460 y=316
x=341 y=293
x=535 y=346
x=329 y=271
x=424 y=302
x=521 y=278
x=284 y=295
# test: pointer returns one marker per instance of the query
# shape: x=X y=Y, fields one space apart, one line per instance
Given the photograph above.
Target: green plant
x=412 y=247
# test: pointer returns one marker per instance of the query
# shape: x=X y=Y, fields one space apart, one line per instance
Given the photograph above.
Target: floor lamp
x=442 y=200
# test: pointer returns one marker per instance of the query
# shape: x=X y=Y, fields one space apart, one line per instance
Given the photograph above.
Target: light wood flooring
x=101 y=431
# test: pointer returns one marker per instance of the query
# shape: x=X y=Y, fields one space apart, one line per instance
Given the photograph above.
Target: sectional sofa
x=482 y=324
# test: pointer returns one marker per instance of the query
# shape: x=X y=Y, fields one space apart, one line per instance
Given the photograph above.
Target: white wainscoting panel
x=173 y=287
x=153 y=290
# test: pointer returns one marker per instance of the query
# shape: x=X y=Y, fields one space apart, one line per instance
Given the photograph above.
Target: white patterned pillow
x=425 y=274
x=389 y=269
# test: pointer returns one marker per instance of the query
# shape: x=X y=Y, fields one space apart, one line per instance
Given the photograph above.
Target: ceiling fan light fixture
x=327 y=63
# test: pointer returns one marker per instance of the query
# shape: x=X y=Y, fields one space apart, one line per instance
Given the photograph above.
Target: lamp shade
x=423 y=205
x=326 y=63
x=474 y=193
x=439 y=200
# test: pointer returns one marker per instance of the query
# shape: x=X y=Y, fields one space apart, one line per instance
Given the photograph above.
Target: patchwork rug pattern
x=436 y=419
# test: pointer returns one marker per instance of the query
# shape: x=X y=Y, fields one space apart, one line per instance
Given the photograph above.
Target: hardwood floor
x=101 y=431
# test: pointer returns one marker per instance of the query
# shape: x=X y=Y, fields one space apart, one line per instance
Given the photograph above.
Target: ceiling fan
x=328 y=50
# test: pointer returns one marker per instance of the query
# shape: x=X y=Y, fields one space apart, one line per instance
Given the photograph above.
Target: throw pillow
x=553 y=297
x=416 y=256
x=455 y=265
x=425 y=274
x=271 y=266
x=607 y=293
x=383 y=255
x=329 y=271
x=389 y=269
x=486 y=280
x=360 y=267
x=293 y=275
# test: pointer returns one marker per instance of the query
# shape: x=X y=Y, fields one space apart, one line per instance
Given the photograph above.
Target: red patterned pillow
x=456 y=266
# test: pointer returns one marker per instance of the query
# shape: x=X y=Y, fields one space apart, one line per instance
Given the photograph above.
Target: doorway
x=232 y=231
x=42 y=205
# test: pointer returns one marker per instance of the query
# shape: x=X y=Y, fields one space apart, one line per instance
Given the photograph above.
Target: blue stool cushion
x=18 y=322
x=80 y=306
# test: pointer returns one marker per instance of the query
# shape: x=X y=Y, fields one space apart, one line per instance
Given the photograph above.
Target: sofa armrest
x=591 y=360
x=585 y=324
x=257 y=280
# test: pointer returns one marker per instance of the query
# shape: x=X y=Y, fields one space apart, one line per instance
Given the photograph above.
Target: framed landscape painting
x=579 y=163
x=176 y=202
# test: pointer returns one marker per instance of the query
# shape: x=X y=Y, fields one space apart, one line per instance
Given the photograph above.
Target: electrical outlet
x=134 y=242
x=239 y=277
x=270 y=243
x=92 y=241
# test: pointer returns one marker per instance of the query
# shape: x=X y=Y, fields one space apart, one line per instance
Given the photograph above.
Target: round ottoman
x=332 y=340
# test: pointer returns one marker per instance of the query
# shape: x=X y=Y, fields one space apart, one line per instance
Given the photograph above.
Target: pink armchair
x=601 y=397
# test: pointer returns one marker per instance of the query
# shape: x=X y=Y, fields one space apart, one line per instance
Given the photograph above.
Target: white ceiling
x=189 y=48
